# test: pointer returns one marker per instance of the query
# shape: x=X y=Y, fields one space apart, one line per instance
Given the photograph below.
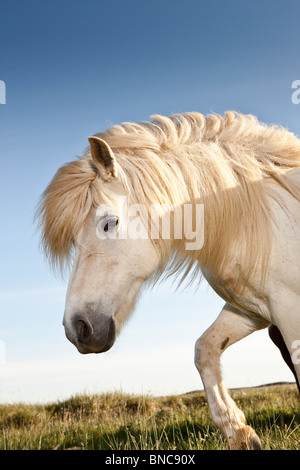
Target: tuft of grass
x=117 y=421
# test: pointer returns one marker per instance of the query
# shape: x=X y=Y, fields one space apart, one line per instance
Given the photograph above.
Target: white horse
x=243 y=173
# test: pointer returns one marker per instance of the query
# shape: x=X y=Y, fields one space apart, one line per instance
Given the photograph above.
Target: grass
x=118 y=421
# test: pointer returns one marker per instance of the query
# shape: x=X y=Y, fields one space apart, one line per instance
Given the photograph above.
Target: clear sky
x=71 y=69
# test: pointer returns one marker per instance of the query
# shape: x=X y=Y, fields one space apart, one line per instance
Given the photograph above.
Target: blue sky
x=73 y=68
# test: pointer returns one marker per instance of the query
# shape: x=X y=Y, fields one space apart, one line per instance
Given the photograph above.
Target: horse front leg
x=231 y=326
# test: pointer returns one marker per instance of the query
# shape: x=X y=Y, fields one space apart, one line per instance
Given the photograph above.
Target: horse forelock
x=64 y=206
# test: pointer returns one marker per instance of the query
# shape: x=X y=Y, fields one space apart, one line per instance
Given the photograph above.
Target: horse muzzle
x=90 y=332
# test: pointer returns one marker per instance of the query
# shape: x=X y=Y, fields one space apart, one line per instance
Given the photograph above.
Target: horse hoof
x=255 y=443
x=245 y=439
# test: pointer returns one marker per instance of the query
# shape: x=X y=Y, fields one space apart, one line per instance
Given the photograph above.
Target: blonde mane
x=220 y=161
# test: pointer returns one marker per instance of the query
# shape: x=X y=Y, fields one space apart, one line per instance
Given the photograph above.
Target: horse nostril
x=84 y=330
x=91 y=333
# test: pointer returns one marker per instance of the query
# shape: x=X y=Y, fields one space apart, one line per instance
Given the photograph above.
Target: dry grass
x=118 y=421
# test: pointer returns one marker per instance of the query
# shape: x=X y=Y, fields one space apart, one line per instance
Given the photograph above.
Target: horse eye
x=111 y=224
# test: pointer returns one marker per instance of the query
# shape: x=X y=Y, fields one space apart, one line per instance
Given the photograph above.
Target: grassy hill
x=118 y=421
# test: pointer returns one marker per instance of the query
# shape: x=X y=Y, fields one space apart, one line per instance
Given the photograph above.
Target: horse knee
x=204 y=352
x=198 y=352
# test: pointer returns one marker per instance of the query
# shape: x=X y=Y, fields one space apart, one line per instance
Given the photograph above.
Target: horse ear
x=103 y=157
